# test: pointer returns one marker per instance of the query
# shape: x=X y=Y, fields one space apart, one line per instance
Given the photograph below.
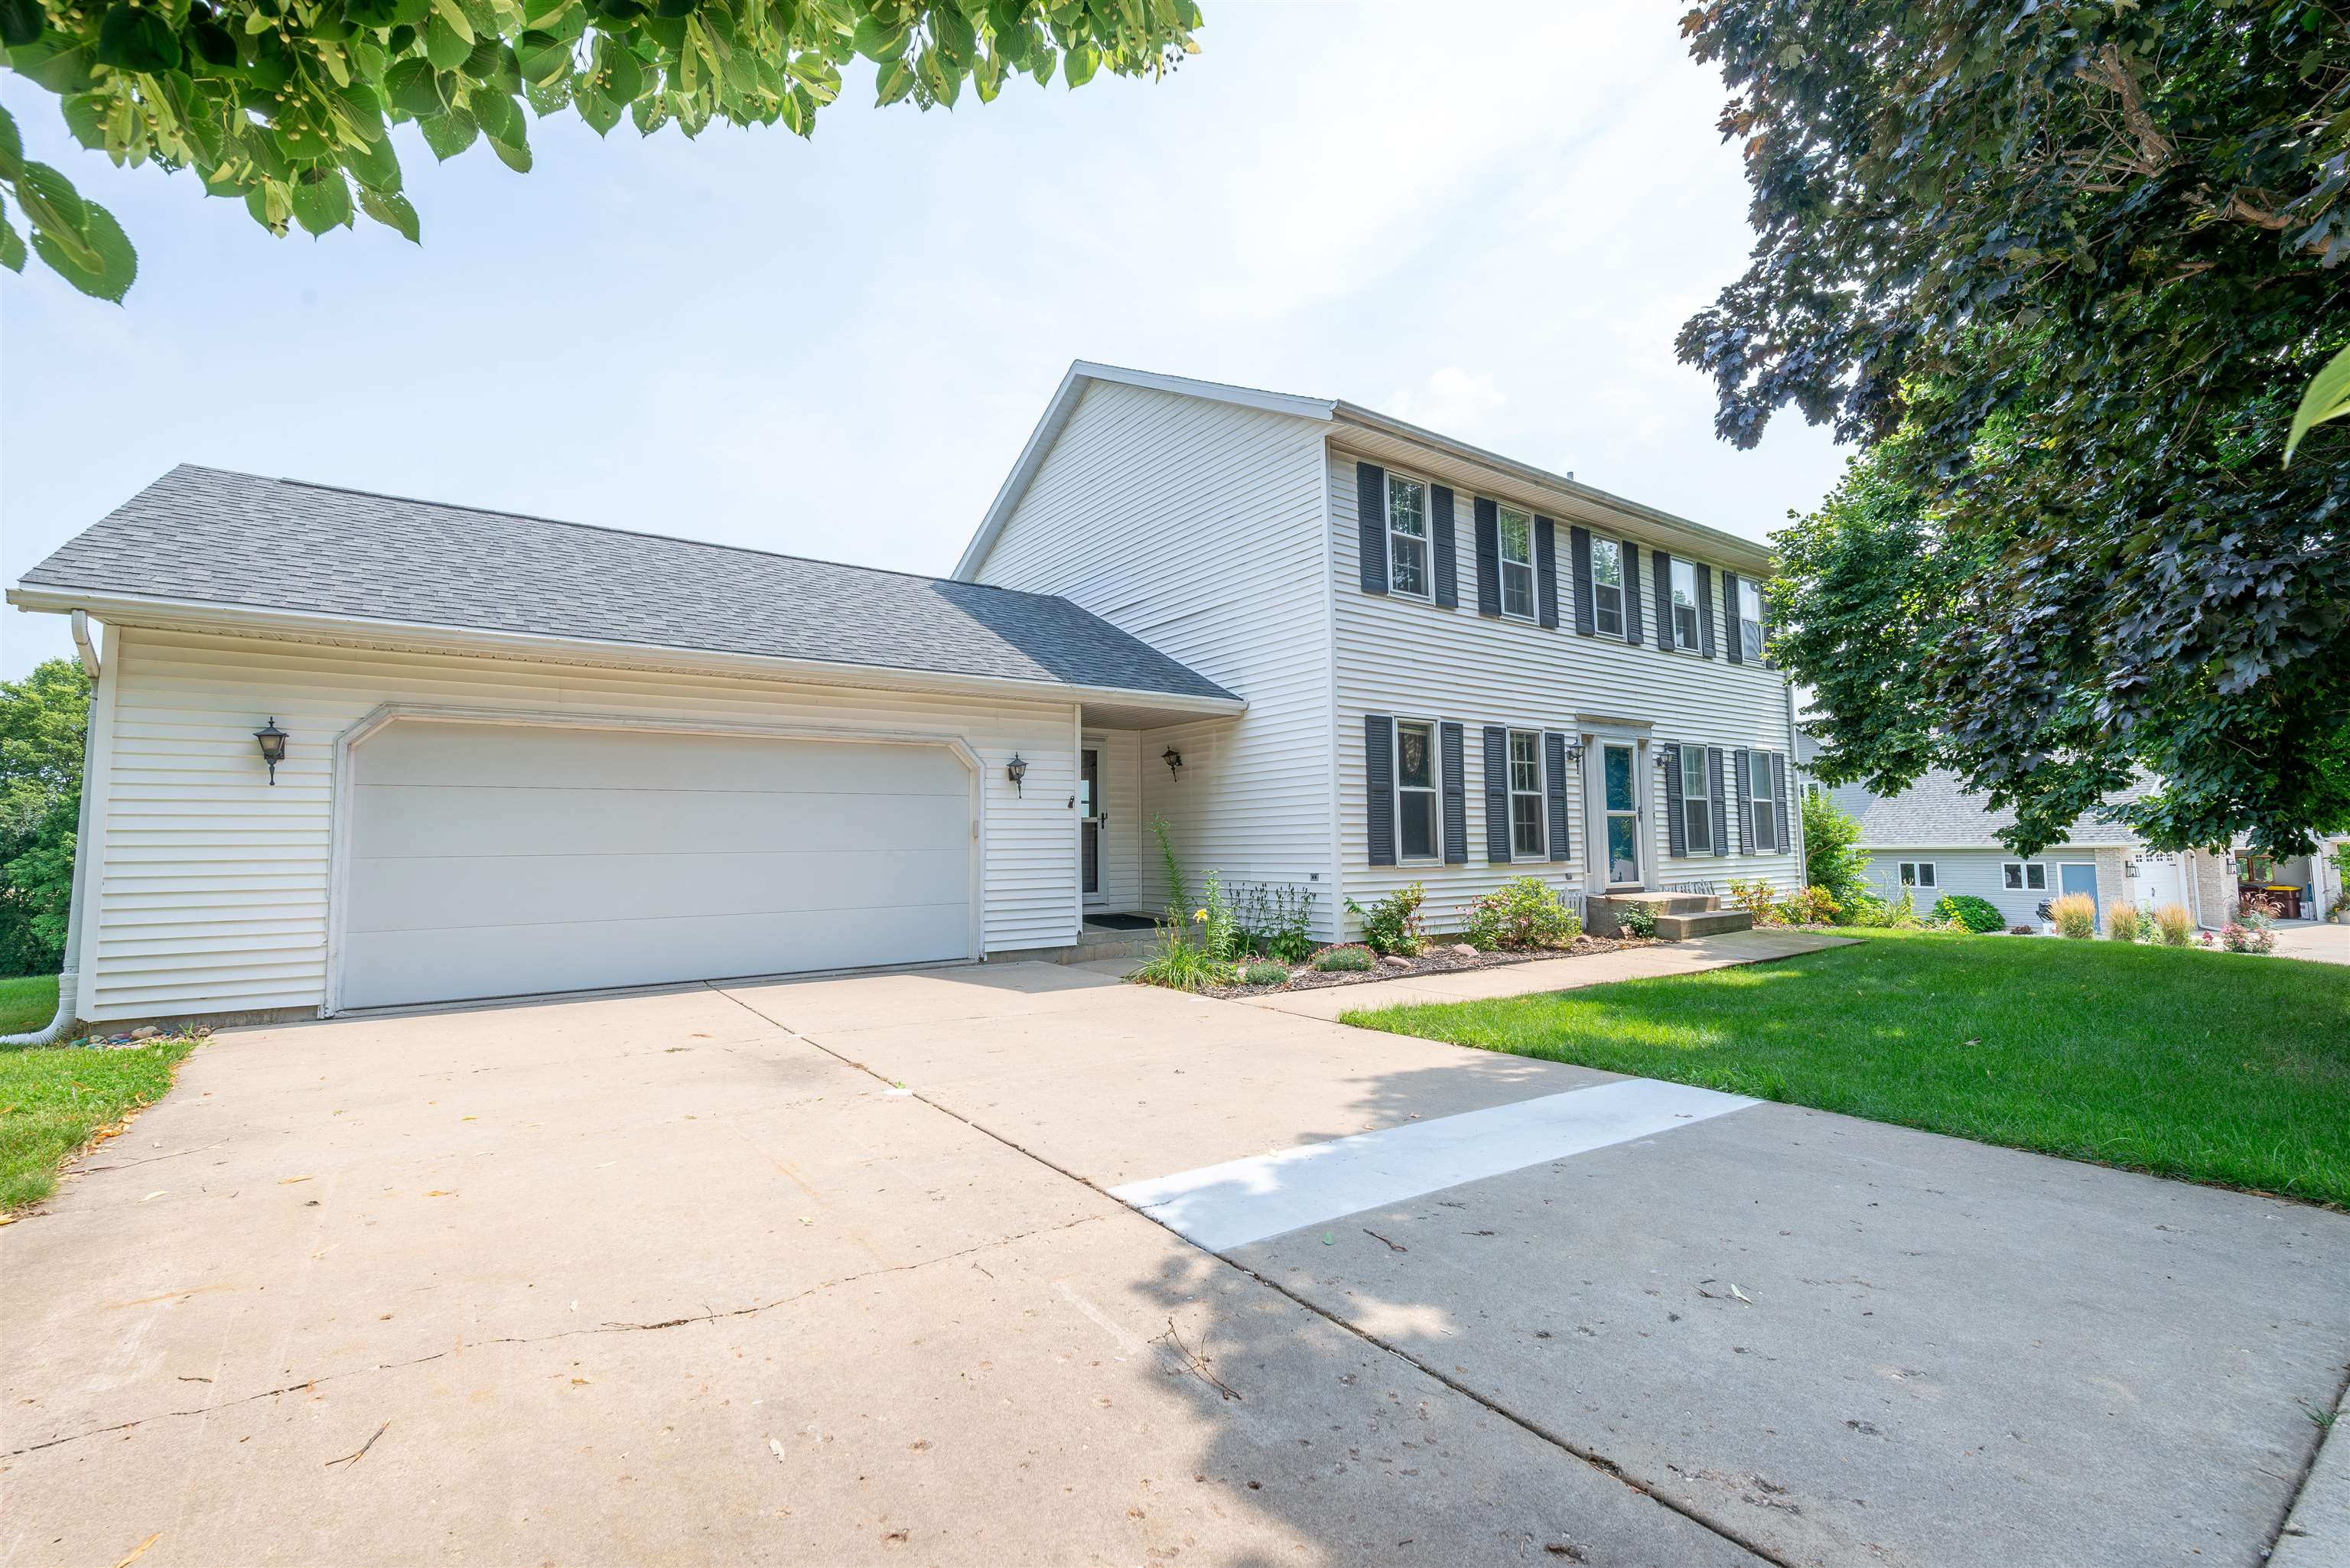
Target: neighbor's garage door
x=497 y=860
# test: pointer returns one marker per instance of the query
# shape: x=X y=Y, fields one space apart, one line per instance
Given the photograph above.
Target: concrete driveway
x=830 y=1271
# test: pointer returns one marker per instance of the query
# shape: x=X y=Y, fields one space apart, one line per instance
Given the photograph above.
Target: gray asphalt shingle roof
x=1938 y=813
x=207 y=534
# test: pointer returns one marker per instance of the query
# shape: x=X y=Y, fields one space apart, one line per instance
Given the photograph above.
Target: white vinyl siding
x=214 y=887
x=1398 y=659
x=1194 y=525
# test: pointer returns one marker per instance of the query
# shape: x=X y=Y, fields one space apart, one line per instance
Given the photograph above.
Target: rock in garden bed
x=1439 y=959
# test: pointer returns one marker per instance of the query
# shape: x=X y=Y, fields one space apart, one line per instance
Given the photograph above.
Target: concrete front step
x=1703 y=923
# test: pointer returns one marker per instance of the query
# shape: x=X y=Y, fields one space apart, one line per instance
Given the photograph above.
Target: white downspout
x=68 y=982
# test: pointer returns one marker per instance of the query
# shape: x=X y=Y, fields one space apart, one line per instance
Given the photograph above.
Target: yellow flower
x=1199 y=914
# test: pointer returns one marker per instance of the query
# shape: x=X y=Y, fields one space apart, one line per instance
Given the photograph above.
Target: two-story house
x=353 y=751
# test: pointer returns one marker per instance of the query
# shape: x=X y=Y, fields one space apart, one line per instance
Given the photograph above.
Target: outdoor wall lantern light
x=1015 y=770
x=272 y=741
x=1574 y=751
x=1174 y=761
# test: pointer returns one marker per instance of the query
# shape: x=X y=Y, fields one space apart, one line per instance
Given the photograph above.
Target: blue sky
x=1492 y=224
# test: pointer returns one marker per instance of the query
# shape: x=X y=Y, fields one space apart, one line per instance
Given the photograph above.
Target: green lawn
x=54 y=1098
x=2211 y=1066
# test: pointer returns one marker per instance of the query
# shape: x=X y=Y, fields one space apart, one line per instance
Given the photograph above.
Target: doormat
x=1122 y=922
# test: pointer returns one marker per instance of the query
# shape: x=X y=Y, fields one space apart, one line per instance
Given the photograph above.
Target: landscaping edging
x=1441 y=959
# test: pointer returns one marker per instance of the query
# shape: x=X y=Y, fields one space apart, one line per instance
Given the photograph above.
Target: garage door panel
x=423 y=892
x=502 y=861
x=387 y=968
x=405 y=820
x=553 y=757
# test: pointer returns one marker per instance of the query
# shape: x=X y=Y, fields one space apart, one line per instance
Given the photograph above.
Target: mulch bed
x=1442 y=958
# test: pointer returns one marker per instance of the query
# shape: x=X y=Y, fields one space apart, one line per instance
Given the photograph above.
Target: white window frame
x=1599 y=606
x=1538 y=795
x=1762 y=804
x=1918 y=873
x=1434 y=790
x=2020 y=871
x=1703 y=800
x=1686 y=601
x=1424 y=541
x=1512 y=570
x=1748 y=630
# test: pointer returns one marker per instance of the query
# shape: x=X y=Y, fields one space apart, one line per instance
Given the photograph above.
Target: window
x=2020 y=878
x=1517 y=530
x=1415 y=820
x=1917 y=873
x=1608 y=586
x=1684 y=603
x=1750 y=621
x=1407 y=536
x=1762 y=820
x=1697 y=802
x=1526 y=795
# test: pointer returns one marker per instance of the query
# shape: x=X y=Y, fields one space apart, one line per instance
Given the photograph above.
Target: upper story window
x=1608 y=586
x=1749 y=620
x=1517 y=532
x=1684 y=603
x=1526 y=795
x=1697 y=802
x=1762 y=823
x=1416 y=822
x=2021 y=877
x=1407 y=536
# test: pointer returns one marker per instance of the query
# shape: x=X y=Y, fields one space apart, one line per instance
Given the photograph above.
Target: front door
x=1089 y=818
x=1619 y=786
x=2078 y=879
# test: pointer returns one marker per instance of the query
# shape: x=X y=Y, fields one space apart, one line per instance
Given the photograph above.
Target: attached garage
x=496 y=859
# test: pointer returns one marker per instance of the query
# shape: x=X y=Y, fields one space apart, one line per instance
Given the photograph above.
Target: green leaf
x=543 y=56
x=449 y=134
x=11 y=245
x=941 y=77
x=50 y=202
x=322 y=203
x=134 y=38
x=2328 y=397
x=895 y=81
x=878 y=41
x=59 y=70
x=375 y=166
x=1079 y=67
x=103 y=267
x=951 y=33
x=414 y=88
x=452 y=13
x=20 y=23
x=514 y=156
x=600 y=112
x=392 y=211
x=618 y=73
x=444 y=45
x=497 y=115
x=84 y=116
x=12 y=147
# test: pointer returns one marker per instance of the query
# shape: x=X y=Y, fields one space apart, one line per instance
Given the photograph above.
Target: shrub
x=1345 y=960
x=2125 y=924
x=1977 y=915
x=1758 y=898
x=1523 y=912
x=1391 y=927
x=1179 y=965
x=1637 y=921
x=1902 y=913
x=1830 y=861
x=2173 y=925
x=1868 y=909
x=1275 y=921
x=2239 y=938
x=2075 y=915
x=1262 y=973
x=1815 y=906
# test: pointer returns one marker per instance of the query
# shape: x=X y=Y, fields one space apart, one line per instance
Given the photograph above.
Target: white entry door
x=503 y=860
x=1613 y=804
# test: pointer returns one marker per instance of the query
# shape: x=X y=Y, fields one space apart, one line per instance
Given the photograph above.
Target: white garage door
x=496 y=860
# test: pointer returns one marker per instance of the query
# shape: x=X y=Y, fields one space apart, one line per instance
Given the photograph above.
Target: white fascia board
x=1056 y=415
x=1742 y=550
x=197 y=615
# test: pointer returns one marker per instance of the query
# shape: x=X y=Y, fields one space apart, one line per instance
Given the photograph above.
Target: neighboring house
x=1938 y=837
x=1331 y=650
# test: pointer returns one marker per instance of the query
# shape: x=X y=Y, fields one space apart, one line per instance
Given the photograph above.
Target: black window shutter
x=1546 y=572
x=1632 y=594
x=1578 y=551
x=1705 y=611
x=1439 y=547
x=1779 y=799
x=1666 y=637
x=1489 y=557
x=1378 y=781
x=1676 y=822
x=1497 y=793
x=1730 y=618
x=1745 y=802
x=1456 y=804
x=1720 y=815
x=1371 y=523
x=1555 y=772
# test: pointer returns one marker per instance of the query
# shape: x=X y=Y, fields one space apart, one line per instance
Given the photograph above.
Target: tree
x=41 y=721
x=289 y=103
x=1830 y=859
x=2079 y=260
